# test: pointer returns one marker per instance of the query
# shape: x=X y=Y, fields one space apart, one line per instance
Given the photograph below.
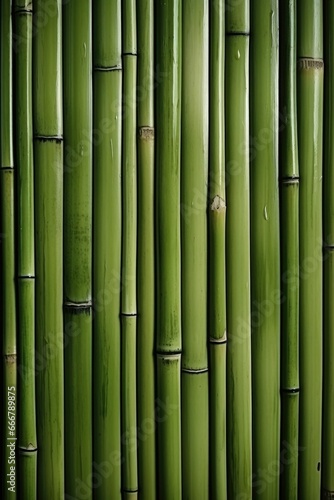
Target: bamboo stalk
x=327 y=475
x=265 y=277
x=168 y=344
x=239 y=421
x=26 y=422
x=7 y=231
x=310 y=114
x=145 y=249
x=107 y=126
x=289 y=223
x=77 y=246
x=129 y=253
x=194 y=134
x=216 y=257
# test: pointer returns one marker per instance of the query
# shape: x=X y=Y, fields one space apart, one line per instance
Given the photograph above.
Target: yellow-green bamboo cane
x=327 y=468
x=107 y=130
x=289 y=223
x=194 y=147
x=265 y=264
x=168 y=247
x=145 y=249
x=310 y=114
x=129 y=253
x=77 y=56
x=239 y=421
x=7 y=235
x=216 y=257
x=48 y=155
x=27 y=442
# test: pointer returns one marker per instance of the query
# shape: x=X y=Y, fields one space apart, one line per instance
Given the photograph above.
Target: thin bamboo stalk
x=310 y=114
x=129 y=253
x=107 y=126
x=168 y=345
x=48 y=154
x=216 y=257
x=327 y=474
x=194 y=178
x=77 y=55
x=265 y=265
x=145 y=249
x=289 y=224
x=26 y=423
x=7 y=231
x=239 y=421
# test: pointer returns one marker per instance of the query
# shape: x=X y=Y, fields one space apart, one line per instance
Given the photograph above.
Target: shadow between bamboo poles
x=310 y=115
x=265 y=259
x=107 y=135
x=239 y=394
x=77 y=27
x=216 y=255
x=327 y=469
x=168 y=246
x=8 y=251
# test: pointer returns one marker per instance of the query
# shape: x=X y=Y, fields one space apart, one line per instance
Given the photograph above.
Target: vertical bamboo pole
x=26 y=422
x=168 y=345
x=328 y=269
x=145 y=248
x=129 y=252
x=77 y=55
x=216 y=268
x=265 y=277
x=48 y=154
x=289 y=224
x=310 y=113
x=107 y=133
x=7 y=233
x=239 y=421
x=194 y=177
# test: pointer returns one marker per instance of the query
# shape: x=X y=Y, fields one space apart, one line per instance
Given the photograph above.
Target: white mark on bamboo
x=218 y=204
x=85 y=50
x=237 y=56
x=112 y=148
x=265 y=213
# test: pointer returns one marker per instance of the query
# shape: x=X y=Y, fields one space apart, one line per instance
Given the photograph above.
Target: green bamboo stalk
x=27 y=439
x=265 y=277
x=48 y=154
x=289 y=224
x=145 y=249
x=77 y=56
x=7 y=233
x=216 y=267
x=310 y=113
x=239 y=421
x=129 y=253
x=168 y=246
x=107 y=126
x=194 y=133
x=327 y=475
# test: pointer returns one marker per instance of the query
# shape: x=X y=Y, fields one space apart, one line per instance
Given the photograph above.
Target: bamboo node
x=195 y=371
x=328 y=494
x=10 y=358
x=146 y=133
x=218 y=204
x=309 y=63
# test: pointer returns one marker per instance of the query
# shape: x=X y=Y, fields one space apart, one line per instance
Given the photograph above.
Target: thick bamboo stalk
x=168 y=343
x=310 y=114
x=194 y=134
x=265 y=265
x=327 y=474
x=26 y=421
x=145 y=249
x=239 y=394
x=129 y=253
x=107 y=126
x=48 y=154
x=77 y=56
x=7 y=233
x=289 y=223
x=216 y=257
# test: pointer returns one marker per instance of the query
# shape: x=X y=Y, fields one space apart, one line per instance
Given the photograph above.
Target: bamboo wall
x=166 y=249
